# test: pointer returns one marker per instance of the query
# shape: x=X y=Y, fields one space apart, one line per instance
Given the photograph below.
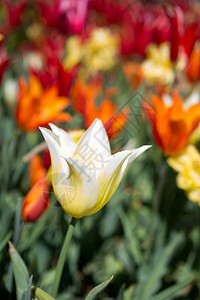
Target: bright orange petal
x=106 y=110
x=177 y=107
x=192 y=116
x=37 y=107
x=36 y=170
x=36 y=201
x=193 y=69
x=63 y=117
x=35 y=87
x=158 y=105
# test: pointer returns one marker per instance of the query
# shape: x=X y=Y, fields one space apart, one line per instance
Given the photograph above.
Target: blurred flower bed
x=134 y=65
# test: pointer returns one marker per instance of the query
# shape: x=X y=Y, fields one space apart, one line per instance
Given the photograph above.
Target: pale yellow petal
x=194 y=195
x=79 y=192
x=110 y=176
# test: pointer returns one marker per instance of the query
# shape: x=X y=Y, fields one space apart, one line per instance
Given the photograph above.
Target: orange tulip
x=193 y=69
x=133 y=72
x=37 y=200
x=36 y=169
x=172 y=125
x=37 y=106
x=85 y=98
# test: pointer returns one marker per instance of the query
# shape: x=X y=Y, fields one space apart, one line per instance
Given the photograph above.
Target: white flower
x=85 y=175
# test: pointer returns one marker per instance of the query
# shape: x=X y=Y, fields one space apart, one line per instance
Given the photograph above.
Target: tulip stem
x=62 y=257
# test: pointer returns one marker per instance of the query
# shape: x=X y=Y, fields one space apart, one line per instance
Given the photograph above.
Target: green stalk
x=62 y=257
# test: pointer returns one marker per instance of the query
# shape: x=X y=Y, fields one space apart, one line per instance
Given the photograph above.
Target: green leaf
x=9 y=278
x=172 y=291
x=121 y=292
x=28 y=292
x=153 y=273
x=17 y=225
x=20 y=272
x=98 y=289
x=39 y=294
x=133 y=243
x=5 y=241
x=31 y=232
x=16 y=234
x=128 y=294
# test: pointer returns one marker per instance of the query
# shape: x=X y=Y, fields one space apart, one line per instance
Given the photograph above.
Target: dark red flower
x=14 y=12
x=54 y=74
x=182 y=33
x=139 y=24
x=4 y=61
x=67 y=16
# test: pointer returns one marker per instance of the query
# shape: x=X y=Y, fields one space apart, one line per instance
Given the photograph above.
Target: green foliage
x=94 y=293
x=20 y=272
x=39 y=294
x=28 y=292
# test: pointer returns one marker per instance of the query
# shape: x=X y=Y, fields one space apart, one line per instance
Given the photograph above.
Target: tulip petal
x=67 y=144
x=111 y=175
x=138 y=151
x=36 y=201
x=108 y=178
x=36 y=169
x=79 y=192
x=57 y=160
x=94 y=147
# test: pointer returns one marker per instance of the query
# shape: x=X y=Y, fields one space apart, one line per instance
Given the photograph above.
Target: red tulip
x=55 y=74
x=68 y=16
x=4 y=61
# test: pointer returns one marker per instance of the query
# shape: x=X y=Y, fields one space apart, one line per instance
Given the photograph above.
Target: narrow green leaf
x=121 y=292
x=5 y=241
x=172 y=291
x=9 y=278
x=16 y=234
x=20 y=272
x=132 y=241
x=94 y=293
x=128 y=293
x=31 y=232
x=39 y=294
x=147 y=288
x=28 y=292
x=17 y=226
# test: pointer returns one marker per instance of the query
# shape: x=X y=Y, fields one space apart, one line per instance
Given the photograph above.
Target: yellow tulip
x=98 y=53
x=158 y=60
x=73 y=52
x=187 y=164
x=85 y=174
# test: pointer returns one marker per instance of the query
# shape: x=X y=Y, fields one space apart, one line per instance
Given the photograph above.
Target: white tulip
x=85 y=175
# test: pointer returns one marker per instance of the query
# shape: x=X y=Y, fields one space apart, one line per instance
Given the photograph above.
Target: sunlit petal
x=56 y=153
x=77 y=193
x=94 y=146
x=111 y=174
x=66 y=142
